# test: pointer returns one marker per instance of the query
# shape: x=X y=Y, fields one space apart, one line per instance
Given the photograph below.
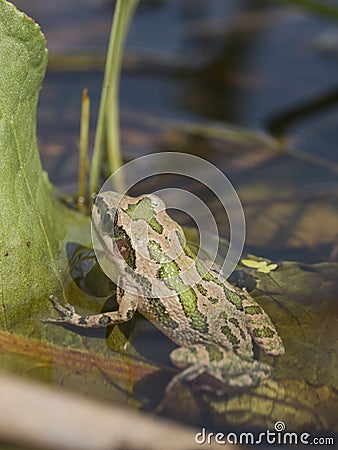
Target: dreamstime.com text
x=277 y=437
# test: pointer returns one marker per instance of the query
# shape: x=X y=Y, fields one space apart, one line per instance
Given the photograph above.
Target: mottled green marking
x=155 y=252
x=234 y=298
x=201 y=289
x=215 y=354
x=223 y=315
x=108 y=216
x=181 y=241
x=158 y=310
x=144 y=210
x=230 y=336
x=206 y=276
x=101 y=205
x=156 y=226
x=263 y=332
x=201 y=270
x=198 y=321
x=169 y=273
x=187 y=249
x=213 y=300
x=142 y=281
x=235 y=322
x=252 y=310
x=108 y=225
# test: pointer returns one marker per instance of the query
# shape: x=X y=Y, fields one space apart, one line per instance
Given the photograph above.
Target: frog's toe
x=55 y=320
x=70 y=310
x=56 y=303
x=67 y=312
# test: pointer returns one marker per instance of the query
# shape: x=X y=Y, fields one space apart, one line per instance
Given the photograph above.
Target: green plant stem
x=84 y=132
x=107 y=130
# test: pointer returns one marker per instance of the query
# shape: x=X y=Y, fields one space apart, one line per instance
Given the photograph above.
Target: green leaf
x=33 y=224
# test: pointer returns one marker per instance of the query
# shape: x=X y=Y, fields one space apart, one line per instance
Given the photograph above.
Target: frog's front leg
x=127 y=306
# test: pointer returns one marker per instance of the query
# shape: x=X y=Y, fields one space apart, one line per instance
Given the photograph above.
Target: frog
x=214 y=324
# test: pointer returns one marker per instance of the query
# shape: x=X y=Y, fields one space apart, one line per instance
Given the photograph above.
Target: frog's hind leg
x=127 y=306
x=188 y=374
x=261 y=328
x=226 y=369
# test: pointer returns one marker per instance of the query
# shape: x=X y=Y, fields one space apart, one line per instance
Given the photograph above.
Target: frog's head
x=122 y=223
x=111 y=228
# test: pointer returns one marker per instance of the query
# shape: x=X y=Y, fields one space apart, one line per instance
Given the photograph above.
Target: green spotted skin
x=213 y=323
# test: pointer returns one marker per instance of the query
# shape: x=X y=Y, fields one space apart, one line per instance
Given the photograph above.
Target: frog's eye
x=123 y=248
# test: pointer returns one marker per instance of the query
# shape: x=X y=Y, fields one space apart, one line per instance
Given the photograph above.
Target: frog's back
x=188 y=319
